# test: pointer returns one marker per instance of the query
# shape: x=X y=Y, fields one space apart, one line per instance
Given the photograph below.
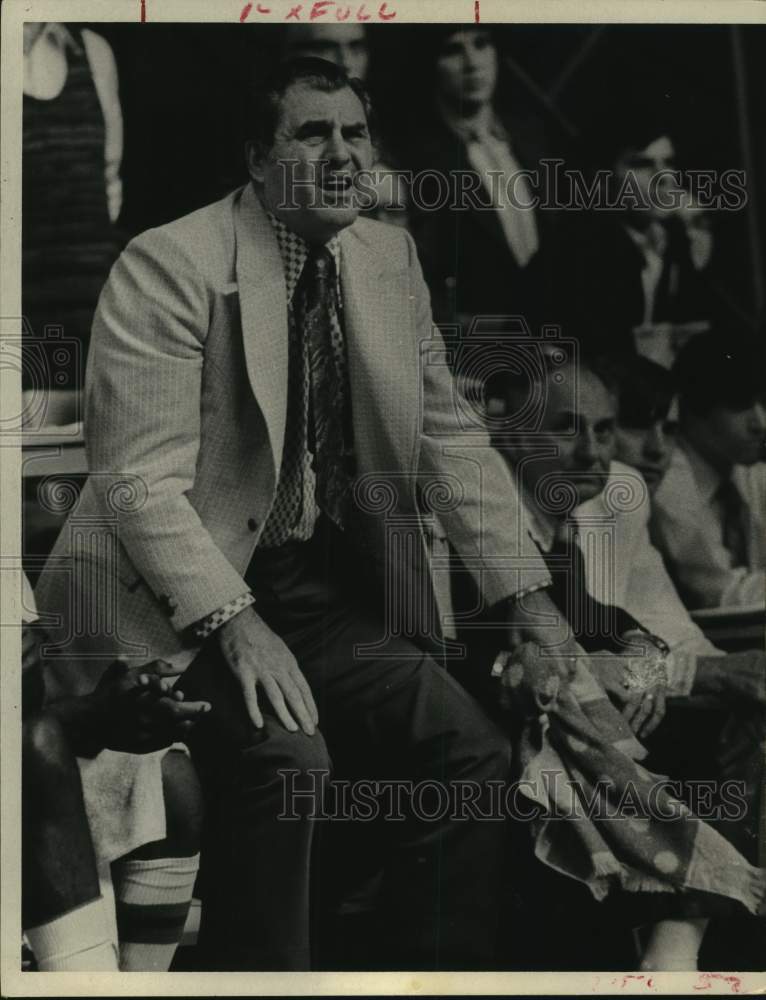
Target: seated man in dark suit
x=641 y=263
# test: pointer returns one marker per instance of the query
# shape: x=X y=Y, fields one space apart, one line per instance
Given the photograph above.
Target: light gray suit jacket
x=185 y=420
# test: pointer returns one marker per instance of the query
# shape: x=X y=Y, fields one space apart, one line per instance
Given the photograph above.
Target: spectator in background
x=71 y=194
x=342 y=44
x=628 y=571
x=633 y=575
x=466 y=136
x=347 y=46
x=710 y=510
x=560 y=452
x=638 y=271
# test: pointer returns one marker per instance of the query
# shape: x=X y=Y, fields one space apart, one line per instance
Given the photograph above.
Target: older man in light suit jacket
x=184 y=544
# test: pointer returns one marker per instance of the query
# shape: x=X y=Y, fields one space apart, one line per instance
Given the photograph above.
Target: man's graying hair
x=309 y=70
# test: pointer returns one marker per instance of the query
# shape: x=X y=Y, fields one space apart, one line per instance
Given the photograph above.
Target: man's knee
x=477 y=745
x=276 y=747
x=50 y=777
x=289 y=769
x=45 y=749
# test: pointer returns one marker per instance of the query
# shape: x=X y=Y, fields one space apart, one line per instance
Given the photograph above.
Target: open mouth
x=337 y=183
x=337 y=191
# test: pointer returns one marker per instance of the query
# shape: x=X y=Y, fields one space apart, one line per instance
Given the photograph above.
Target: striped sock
x=78 y=941
x=153 y=900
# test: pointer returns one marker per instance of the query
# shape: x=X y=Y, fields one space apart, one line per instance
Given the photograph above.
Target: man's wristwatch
x=650 y=670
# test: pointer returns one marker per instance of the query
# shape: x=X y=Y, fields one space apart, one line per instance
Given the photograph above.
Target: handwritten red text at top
x=328 y=10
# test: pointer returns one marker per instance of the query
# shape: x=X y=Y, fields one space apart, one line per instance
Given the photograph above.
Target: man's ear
x=254 y=160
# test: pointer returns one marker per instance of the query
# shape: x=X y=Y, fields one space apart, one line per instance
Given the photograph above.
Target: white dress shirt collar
x=294 y=250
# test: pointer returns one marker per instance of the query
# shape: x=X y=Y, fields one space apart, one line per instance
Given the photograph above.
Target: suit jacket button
x=168 y=604
x=252 y=524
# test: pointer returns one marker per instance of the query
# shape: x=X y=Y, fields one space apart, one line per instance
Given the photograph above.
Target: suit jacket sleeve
x=142 y=423
x=486 y=527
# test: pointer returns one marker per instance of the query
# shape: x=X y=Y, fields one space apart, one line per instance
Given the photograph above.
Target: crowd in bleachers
x=572 y=274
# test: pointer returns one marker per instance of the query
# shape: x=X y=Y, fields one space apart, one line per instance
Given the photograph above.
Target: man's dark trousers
x=396 y=716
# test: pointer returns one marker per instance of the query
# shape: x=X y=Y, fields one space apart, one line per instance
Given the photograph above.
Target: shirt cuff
x=682 y=672
x=207 y=625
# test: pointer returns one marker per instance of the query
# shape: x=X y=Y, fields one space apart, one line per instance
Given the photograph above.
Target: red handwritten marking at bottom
x=143 y=11
x=245 y=12
x=476 y=15
x=734 y=981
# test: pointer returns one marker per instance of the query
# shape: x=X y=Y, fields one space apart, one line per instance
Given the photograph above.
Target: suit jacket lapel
x=382 y=353
x=383 y=357
x=263 y=307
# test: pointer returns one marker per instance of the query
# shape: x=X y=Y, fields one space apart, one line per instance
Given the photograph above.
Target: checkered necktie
x=328 y=430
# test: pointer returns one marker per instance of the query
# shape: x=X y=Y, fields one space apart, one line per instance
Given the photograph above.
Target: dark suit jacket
x=598 y=283
x=466 y=260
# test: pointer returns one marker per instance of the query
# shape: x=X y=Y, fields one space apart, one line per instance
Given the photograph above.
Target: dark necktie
x=734 y=519
x=596 y=626
x=676 y=250
x=327 y=431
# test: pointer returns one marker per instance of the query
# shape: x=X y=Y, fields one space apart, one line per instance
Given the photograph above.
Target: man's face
x=735 y=437
x=342 y=44
x=644 y=164
x=649 y=448
x=466 y=68
x=320 y=143
x=579 y=403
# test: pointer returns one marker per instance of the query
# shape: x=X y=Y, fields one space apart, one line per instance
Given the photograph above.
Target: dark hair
x=644 y=389
x=720 y=369
x=321 y=74
x=413 y=85
x=631 y=122
x=433 y=38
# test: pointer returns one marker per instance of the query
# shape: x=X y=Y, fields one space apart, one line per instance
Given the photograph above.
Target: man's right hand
x=536 y=619
x=259 y=658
